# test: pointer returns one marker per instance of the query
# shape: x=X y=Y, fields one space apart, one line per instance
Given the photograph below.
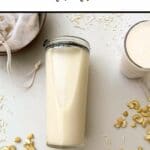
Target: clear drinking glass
x=67 y=65
x=129 y=67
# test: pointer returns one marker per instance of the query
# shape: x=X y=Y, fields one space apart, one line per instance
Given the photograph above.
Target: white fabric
x=18 y=29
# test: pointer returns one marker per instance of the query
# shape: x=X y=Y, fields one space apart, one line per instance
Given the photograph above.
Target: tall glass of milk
x=67 y=65
x=136 y=59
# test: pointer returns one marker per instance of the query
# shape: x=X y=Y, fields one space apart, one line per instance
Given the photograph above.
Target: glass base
x=63 y=146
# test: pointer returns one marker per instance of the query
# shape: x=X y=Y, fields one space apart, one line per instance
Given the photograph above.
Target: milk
x=67 y=80
x=136 y=59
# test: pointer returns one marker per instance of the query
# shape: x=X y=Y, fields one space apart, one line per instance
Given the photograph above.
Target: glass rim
x=69 y=40
x=125 y=47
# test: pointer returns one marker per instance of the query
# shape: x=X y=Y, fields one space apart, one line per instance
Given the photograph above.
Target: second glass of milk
x=136 y=58
x=67 y=63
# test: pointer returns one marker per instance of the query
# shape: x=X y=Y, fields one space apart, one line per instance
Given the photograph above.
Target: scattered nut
x=17 y=140
x=141 y=116
x=120 y=122
x=140 y=148
x=137 y=118
x=145 y=114
x=133 y=124
x=12 y=147
x=148 y=131
x=148 y=105
x=144 y=123
x=28 y=144
x=145 y=109
x=30 y=136
x=147 y=137
x=4 y=148
x=117 y=126
x=139 y=110
x=130 y=105
x=27 y=141
x=125 y=114
x=134 y=104
x=124 y=124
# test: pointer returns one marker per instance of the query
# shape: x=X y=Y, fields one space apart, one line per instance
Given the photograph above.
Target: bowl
x=42 y=18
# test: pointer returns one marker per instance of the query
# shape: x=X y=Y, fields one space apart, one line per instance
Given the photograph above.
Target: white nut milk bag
x=16 y=31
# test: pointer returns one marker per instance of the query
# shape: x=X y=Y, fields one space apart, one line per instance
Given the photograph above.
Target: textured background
x=23 y=110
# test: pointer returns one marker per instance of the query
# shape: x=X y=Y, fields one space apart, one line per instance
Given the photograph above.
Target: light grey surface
x=108 y=94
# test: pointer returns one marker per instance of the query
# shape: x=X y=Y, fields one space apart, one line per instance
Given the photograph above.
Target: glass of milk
x=135 y=62
x=67 y=65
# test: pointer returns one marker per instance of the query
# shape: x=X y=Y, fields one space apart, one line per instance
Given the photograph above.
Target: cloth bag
x=18 y=29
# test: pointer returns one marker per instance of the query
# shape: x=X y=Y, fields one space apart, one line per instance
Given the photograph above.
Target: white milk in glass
x=136 y=60
x=67 y=65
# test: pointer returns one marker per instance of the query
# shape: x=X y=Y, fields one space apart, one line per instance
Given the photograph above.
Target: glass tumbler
x=67 y=65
